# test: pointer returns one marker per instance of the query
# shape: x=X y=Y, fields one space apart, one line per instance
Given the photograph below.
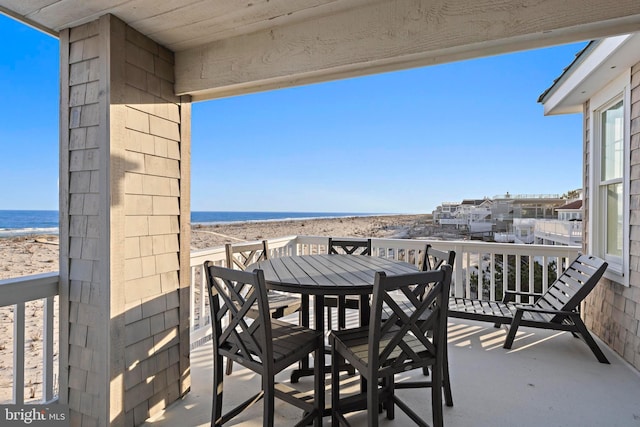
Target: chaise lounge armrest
x=557 y=315
x=509 y=295
x=525 y=307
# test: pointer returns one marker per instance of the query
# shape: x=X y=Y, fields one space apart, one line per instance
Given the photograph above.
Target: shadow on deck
x=548 y=379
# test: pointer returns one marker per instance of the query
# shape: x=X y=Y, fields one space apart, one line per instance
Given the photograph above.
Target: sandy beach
x=26 y=255
x=392 y=226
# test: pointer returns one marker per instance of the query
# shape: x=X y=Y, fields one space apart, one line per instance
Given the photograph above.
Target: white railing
x=517 y=273
x=565 y=232
x=17 y=293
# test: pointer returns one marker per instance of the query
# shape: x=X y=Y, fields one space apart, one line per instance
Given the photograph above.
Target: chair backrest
x=349 y=246
x=433 y=258
x=404 y=326
x=232 y=295
x=572 y=286
x=240 y=255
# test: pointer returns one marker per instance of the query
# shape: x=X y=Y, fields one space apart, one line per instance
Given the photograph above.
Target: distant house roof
x=474 y=202
x=576 y=204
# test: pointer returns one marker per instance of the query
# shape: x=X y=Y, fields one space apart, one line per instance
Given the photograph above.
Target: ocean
x=20 y=222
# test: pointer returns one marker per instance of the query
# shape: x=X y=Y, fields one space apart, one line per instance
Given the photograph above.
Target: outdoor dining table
x=324 y=274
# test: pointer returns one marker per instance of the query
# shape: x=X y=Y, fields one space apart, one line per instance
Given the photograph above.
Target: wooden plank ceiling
x=176 y=24
x=228 y=47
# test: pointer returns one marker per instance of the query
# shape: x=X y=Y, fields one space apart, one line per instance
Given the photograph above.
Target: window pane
x=612 y=140
x=614 y=219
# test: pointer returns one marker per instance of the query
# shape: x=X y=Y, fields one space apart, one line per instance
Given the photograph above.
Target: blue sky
x=396 y=142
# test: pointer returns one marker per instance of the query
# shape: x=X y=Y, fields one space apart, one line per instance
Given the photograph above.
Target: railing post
x=192 y=300
x=203 y=294
x=545 y=274
x=492 y=277
x=505 y=273
x=18 y=355
x=294 y=247
x=458 y=288
x=47 y=347
x=518 y=276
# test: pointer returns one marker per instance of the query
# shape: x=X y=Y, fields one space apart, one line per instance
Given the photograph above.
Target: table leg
x=365 y=310
x=304 y=369
x=319 y=367
x=304 y=321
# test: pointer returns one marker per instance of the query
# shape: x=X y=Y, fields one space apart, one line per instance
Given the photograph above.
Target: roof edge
x=23 y=19
x=579 y=58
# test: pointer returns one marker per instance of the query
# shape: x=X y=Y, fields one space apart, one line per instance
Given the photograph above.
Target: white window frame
x=618 y=89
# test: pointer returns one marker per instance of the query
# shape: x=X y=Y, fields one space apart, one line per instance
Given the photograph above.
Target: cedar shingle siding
x=124 y=165
x=613 y=311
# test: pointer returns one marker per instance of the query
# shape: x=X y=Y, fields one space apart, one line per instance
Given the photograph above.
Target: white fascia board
x=577 y=86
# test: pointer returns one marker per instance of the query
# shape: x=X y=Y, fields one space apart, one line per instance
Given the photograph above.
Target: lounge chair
x=557 y=308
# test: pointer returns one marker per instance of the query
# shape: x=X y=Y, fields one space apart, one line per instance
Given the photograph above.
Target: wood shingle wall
x=612 y=311
x=127 y=211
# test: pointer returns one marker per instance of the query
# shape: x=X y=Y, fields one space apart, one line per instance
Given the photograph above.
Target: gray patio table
x=325 y=274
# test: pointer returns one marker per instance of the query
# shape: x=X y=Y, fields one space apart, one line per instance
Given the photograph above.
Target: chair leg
x=582 y=329
x=436 y=395
x=372 y=402
x=389 y=404
x=319 y=385
x=218 y=383
x=335 y=389
x=513 y=328
x=268 y=387
x=448 y=397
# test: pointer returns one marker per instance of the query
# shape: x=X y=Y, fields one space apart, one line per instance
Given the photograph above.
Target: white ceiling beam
x=392 y=35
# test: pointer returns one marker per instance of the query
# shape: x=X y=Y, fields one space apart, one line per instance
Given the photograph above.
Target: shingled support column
x=124 y=236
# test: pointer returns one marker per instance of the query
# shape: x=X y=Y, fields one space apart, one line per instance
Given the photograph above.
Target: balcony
x=559 y=232
x=548 y=378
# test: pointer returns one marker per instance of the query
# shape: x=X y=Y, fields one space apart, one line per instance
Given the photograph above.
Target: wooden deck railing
x=18 y=292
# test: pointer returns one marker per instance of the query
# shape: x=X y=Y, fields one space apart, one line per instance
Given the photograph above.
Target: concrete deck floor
x=547 y=379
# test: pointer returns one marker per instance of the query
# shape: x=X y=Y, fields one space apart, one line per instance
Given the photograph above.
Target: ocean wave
x=308 y=218
x=13 y=232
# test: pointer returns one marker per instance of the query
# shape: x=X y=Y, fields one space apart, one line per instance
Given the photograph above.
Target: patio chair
x=557 y=308
x=432 y=259
x=239 y=256
x=399 y=343
x=342 y=303
x=262 y=344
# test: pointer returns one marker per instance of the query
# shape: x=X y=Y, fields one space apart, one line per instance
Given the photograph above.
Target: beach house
x=129 y=73
x=603 y=84
x=565 y=230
